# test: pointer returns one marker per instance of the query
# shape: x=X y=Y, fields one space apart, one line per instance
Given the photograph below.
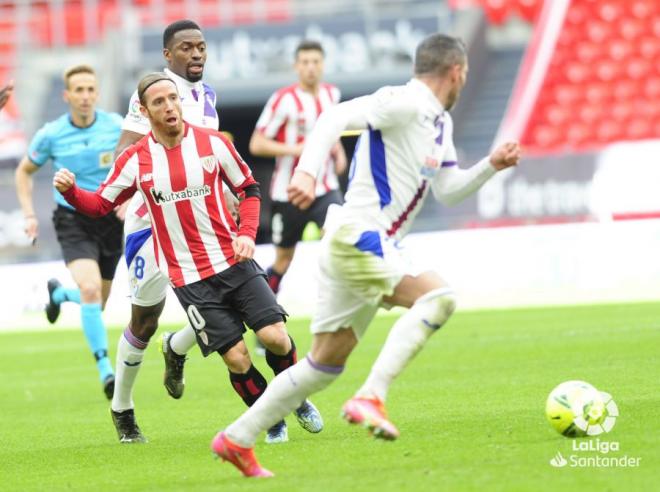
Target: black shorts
x=288 y=221
x=219 y=306
x=96 y=238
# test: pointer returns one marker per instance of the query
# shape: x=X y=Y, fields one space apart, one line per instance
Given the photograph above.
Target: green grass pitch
x=470 y=409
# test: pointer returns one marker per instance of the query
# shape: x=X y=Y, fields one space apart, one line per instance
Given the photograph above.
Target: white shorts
x=146 y=283
x=357 y=267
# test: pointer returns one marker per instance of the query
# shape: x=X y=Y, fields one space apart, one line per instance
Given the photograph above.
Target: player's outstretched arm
x=263 y=146
x=327 y=131
x=93 y=204
x=453 y=184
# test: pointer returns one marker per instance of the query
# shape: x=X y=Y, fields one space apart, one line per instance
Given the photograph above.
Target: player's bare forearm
x=24 y=184
x=23 y=181
x=262 y=146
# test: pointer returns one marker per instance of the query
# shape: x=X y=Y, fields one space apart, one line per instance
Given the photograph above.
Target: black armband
x=252 y=190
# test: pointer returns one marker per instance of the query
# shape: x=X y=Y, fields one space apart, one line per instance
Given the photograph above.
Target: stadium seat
x=151 y=13
x=602 y=83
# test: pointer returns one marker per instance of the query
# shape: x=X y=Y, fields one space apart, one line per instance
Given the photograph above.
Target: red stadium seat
x=603 y=80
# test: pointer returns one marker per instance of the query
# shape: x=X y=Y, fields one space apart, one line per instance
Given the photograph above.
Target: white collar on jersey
x=424 y=90
x=198 y=86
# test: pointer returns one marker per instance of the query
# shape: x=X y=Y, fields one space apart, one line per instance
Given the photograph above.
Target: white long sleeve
x=349 y=115
x=452 y=184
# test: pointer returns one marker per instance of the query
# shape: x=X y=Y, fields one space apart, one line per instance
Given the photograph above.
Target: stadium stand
x=590 y=77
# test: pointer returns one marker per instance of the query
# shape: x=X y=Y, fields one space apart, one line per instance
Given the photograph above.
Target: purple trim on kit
x=209 y=101
x=439 y=124
x=135 y=341
x=324 y=368
x=448 y=164
x=411 y=206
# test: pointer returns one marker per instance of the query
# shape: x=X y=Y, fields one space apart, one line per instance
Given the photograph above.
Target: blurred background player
x=82 y=140
x=5 y=93
x=286 y=120
x=407 y=151
x=184 y=49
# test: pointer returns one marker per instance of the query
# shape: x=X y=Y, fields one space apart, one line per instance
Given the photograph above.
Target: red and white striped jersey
x=288 y=117
x=182 y=188
x=198 y=102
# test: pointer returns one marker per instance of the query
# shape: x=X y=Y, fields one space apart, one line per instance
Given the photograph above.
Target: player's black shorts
x=98 y=238
x=219 y=306
x=288 y=221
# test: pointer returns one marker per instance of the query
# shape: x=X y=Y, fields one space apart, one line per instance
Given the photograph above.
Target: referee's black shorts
x=288 y=221
x=220 y=305
x=96 y=238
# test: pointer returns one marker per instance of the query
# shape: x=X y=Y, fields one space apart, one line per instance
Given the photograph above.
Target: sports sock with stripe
x=130 y=352
x=249 y=386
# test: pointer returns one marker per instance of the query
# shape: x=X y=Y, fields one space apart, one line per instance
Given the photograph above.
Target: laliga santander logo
x=604 y=417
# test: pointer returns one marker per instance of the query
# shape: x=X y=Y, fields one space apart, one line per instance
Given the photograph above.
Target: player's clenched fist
x=64 y=180
x=506 y=155
x=302 y=189
x=243 y=248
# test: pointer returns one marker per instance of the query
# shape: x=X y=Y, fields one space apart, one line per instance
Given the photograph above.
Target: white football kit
x=147 y=284
x=406 y=151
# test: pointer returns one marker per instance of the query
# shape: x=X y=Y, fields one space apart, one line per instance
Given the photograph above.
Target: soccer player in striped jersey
x=286 y=121
x=178 y=169
x=82 y=139
x=406 y=151
x=184 y=49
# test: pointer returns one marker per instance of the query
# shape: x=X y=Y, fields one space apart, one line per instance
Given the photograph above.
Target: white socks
x=406 y=338
x=183 y=340
x=129 y=359
x=284 y=394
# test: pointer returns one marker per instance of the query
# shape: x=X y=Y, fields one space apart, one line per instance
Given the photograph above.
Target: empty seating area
x=77 y=22
x=603 y=81
x=47 y=24
x=500 y=11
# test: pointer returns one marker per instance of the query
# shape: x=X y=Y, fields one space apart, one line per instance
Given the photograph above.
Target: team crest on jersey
x=430 y=167
x=209 y=163
x=105 y=159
